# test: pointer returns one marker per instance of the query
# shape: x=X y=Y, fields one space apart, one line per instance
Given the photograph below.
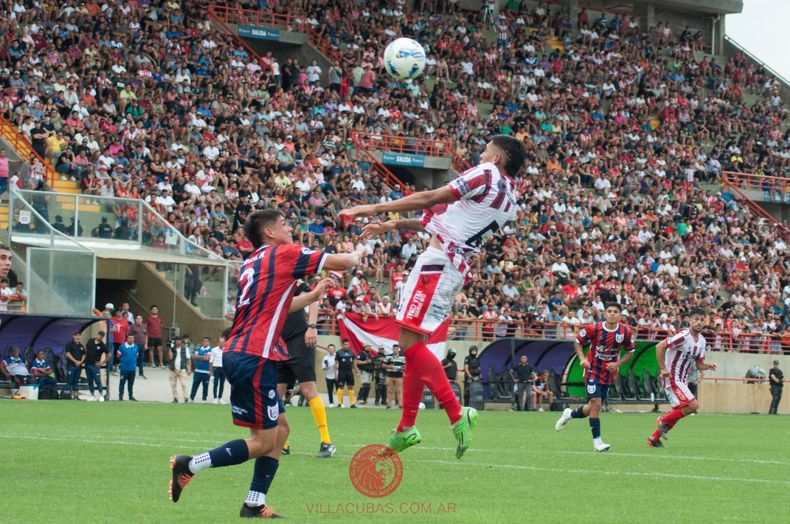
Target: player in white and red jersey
x=675 y=356
x=460 y=216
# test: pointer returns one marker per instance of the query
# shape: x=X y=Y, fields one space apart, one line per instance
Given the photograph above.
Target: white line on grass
x=662 y=456
x=610 y=472
x=591 y=453
x=171 y=445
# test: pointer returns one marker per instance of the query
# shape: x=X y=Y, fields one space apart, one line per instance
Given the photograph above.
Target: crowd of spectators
x=624 y=124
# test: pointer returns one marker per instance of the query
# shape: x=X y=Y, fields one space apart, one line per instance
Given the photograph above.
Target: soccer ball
x=404 y=59
x=422 y=405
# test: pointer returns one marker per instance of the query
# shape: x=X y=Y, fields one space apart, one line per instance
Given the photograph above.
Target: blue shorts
x=596 y=390
x=254 y=401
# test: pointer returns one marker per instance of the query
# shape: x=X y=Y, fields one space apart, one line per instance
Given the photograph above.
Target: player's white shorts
x=678 y=394
x=429 y=293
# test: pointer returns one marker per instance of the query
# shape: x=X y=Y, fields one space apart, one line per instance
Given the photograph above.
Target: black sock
x=595 y=426
x=578 y=412
x=263 y=475
x=229 y=454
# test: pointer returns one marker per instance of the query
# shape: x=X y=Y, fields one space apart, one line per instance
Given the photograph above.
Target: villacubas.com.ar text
x=382 y=508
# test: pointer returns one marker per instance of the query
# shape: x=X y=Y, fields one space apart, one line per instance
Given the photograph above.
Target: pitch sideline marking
x=476 y=464
x=611 y=472
x=133 y=440
x=682 y=457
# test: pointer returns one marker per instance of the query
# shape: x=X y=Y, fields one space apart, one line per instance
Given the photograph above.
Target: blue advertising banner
x=403 y=159
x=259 y=33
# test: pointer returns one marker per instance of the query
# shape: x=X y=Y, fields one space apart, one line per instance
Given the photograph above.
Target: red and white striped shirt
x=682 y=350
x=485 y=202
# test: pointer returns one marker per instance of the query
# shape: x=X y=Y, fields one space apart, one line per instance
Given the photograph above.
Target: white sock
x=199 y=463
x=598 y=440
x=255 y=499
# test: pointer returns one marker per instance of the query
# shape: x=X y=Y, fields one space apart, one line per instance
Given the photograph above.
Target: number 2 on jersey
x=246 y=277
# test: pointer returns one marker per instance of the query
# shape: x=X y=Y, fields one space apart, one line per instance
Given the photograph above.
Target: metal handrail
x=752 y=181
x=768 y=68
x=479 y=329
x=238 y=15
x=389 y=177
x=145 y=211
x=403 y=144
x=18 y=141
x=17 y=196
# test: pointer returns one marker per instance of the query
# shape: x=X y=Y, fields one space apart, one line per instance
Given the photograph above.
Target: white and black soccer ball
x=404 y=59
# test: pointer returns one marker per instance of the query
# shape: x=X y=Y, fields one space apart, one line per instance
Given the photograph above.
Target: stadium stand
x=630 y=132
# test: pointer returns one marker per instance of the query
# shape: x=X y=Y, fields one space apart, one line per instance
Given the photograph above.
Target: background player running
x=675 y=356
x=266 y=294
x=606 y=340
x=300 y=336
x=460 y=216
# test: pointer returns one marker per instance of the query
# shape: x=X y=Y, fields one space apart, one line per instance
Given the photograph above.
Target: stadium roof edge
x=726 y=7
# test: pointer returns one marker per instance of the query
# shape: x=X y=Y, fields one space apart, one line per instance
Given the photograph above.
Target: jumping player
x=266 y=294
x=675 y=356
x=300 y=335
x=460 y=216
x=606 y=340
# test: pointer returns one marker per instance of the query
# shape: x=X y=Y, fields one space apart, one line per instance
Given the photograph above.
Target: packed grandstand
x=629 y=131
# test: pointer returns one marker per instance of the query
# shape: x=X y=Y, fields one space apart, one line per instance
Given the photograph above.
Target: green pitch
x=79 y=462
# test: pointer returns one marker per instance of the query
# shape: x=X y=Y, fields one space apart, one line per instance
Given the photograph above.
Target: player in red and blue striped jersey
x=606 y=341
x=267 y=282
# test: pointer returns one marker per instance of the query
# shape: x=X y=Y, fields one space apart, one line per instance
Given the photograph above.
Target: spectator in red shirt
x=154 y=325
x=119 y=328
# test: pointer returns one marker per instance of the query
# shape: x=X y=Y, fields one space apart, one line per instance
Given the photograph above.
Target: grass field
x=80 y=462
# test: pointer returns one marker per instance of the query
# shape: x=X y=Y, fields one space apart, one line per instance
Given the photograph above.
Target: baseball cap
x=109 y=305
x=776 y=362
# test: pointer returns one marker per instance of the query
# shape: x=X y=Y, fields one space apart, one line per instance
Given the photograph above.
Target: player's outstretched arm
x=341 y=261
x=413 y=202
x=377 y=228
x=305 y=299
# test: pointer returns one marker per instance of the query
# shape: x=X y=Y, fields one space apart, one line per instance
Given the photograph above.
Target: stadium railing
x=732 y=182
x=460 y=164
x=390 y=179
x=763 y=183
x=294 y=23
x=485 y=330
x=24 y=149
x=402 y=144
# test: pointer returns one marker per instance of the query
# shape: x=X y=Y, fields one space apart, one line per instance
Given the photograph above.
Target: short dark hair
x=256 y=222
x=698 y=311
x=611 y=304
x=343 y=341
x=515 y=151
x=4 y=247
x=330 y=346
x=153 y=306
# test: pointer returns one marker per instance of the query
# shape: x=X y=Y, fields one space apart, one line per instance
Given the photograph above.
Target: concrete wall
x=146 y=286
x=738 y=397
